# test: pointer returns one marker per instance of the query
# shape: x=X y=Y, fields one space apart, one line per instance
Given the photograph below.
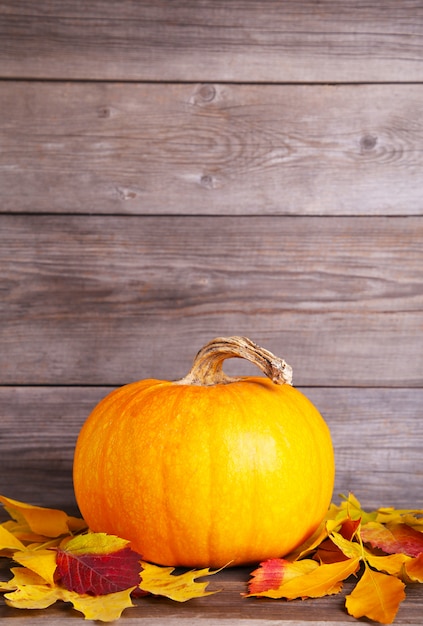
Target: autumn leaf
x=9 y=543
x=159 y=580
x=273 y=572
x=21 y=577
x=97 y=564
x=106 y=608
x=319 y=580
x=392 y=564
x=393 y=539
x=41 y=562
x=42 y=521
x=413 y=569
x=32 y=593
x=29 y=591
x=376 y=596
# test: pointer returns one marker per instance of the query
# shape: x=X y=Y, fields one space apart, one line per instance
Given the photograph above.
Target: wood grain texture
x=95 y=300
x=377 y=436
x=211 y=149
x=226 y=608
x=241 y=40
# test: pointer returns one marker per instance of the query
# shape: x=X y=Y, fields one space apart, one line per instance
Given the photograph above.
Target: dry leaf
x=9 y=543
x=42 y=521
x=41 y=562
x=413 y=569
x=320 y=580
x=390 y=563
x=393 y=538
x=162 y=581
x=376 y=596
x=102 y=608
x=88 y=572
x=273 y=572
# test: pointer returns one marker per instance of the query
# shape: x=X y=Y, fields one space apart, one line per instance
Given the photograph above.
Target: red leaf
x=98 y=574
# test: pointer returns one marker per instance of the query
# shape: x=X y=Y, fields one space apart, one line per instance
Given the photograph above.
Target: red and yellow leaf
x=376 y=596
x=273 y=572
x=326 y=579
x=97 y=564
x=393 y=539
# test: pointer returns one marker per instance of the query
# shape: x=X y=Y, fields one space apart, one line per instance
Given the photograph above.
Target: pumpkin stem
x=207 y=366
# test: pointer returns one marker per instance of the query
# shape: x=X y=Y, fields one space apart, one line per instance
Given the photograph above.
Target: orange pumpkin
x=208 y=470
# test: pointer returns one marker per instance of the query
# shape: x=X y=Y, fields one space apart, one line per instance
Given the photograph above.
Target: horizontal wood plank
x=241 y=40
x=211 y=149
x=226 y=608
x=107 y=300
x=377 y=436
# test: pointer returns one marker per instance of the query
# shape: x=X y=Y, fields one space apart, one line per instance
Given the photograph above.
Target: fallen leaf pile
x=383 y=547
x=59 y=559
x=99 y=574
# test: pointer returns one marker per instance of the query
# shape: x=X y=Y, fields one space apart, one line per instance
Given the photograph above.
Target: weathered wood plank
x=106 y=300
x=242 y=40
x=227 y=608
x=211 y=149
x=377 y=435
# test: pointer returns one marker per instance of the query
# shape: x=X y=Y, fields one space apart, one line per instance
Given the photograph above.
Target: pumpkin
x=208 y=470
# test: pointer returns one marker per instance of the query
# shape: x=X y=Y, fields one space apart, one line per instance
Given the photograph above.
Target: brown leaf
x=376 y=596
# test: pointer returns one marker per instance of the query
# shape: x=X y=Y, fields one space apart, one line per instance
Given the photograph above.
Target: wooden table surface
x=225 y=608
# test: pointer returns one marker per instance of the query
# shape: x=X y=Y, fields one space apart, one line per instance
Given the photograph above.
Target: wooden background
x=175 y=171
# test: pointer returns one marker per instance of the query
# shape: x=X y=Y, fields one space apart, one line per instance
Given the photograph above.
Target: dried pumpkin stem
x=207 y=366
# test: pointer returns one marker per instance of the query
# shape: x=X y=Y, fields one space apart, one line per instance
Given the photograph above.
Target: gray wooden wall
x=175 y=171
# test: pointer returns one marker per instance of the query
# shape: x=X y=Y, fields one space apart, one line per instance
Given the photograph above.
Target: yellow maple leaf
x=376 y=596
x=161 y=581
x=107 y=608
x=42 y=562
x=21 y=577
x=30 y=591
